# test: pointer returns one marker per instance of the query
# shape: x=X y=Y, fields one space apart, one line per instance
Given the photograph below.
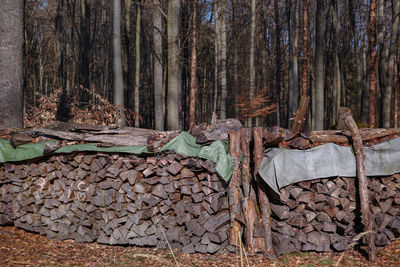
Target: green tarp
x=184 y=144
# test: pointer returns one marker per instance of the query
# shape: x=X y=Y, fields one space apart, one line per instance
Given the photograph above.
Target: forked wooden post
x=349 y=123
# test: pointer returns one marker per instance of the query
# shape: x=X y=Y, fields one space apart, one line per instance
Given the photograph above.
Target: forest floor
x=21 y=248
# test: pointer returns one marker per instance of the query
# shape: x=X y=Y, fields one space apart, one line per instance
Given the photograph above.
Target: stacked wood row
x=323 y=214
x=119 y=199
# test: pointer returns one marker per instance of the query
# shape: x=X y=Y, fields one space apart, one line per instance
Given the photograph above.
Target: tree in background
x=118 y=93
x=174 y=66
x=11 y=63
x=159 y=96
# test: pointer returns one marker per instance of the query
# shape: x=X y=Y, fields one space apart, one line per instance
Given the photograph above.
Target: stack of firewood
x=322 y=214
x=119 y=199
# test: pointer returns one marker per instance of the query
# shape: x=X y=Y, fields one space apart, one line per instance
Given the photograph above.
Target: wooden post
x=362 y=181
x=263 y=199
x=301 y=113
x=234 y=193
x=245 y=138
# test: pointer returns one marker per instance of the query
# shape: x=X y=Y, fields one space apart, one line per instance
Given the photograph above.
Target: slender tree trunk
x=84 y=48
x=174 y=69
x=394 y=37
x=126 y=57
x=193 y=69
x=159 y=101
x=11 y=63
x=118 y=94
x=365 y=67
x=217 y=52
x=337 y=71
x=137 y=65
x=372 y=64
x=252 y=48
x=357 y=53
x=59 y=44
x=293 y=66
x=224 y=91
x=396 y=95
x=278 y=63
x=318 y=113
x=304 y=78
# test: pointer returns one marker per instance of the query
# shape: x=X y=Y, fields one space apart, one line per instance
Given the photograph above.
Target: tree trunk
x=193 y=69
x=174 y=69
x=304 y=78
x=357 y=53
x=337 y=72
x=394 y=37
x=293 y=65
x=59 y=44
x=278 y=63
x=372 y=64
x=217 y=52
x=252 y=48
x=11 y=63
x=137 y=66
x=84 y=44
x=318 y=113
x=159 y=101
x=118 y=85
x=223 y=29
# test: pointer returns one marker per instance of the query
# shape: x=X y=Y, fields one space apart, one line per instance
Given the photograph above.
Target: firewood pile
x=323 y=214
x=119 y=199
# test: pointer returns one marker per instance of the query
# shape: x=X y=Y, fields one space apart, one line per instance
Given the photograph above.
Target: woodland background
x=248 y=59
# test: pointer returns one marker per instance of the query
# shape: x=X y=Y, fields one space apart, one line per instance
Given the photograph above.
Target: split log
x=301 y=113
x=234 y=193
x=245 y=138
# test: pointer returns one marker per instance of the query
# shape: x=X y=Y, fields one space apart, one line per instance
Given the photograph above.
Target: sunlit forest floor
x=20 y=248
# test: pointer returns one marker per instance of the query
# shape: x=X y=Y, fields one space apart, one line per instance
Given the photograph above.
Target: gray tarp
x=281 y=167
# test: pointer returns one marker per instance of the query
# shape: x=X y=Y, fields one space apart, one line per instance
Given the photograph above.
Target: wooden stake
x=362 y=181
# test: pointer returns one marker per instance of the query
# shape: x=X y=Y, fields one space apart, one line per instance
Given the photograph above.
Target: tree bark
x=118 y=92
x=252 y=70
x=193 y=69
x=362 y=183
x=304 y=78
x=278 y=62
x=174 y=69
x=11 y=63
x=337 y=70
x=223 y=78
x=84 y=45
x=394 y=37
x=373 y=81
x=159 y=101
x=318 y=113
x=137 y=66
x=293 y=61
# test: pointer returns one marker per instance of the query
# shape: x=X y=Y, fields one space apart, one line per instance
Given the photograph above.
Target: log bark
x=301 y=113
x=234 y=193
x=362 y=183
